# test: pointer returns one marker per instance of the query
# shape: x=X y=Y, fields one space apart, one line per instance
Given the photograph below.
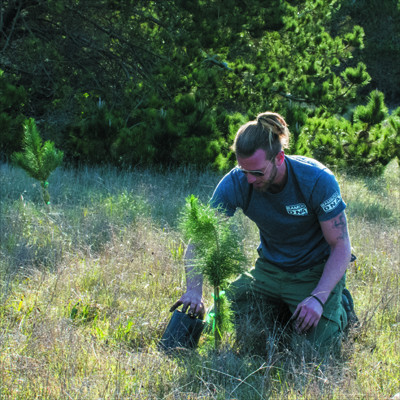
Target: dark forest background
x=169 y=82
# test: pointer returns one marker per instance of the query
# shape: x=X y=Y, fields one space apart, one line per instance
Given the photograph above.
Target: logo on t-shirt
x=331 y=203
x=297 y=209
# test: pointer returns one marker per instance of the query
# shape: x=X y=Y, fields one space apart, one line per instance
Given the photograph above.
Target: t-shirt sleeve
x=228 y=195
x=326 y=197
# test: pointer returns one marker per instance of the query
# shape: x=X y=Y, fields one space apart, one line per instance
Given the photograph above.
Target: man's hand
x=307 y=314
x=193 y=301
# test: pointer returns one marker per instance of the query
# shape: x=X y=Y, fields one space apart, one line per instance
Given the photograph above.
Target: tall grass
x=86 y=286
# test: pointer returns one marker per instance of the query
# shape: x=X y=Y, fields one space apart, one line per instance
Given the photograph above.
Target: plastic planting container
x=183 y=331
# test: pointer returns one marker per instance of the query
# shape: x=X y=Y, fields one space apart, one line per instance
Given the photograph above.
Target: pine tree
x=37 y=159
x=366 y=143
x=219 y=254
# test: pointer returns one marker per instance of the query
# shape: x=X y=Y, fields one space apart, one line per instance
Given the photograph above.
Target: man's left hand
x=307 y=314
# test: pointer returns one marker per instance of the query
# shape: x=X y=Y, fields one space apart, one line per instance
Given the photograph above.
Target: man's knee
x=327 y=336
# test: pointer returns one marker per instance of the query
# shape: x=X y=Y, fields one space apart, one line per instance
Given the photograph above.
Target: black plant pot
x=182 y=331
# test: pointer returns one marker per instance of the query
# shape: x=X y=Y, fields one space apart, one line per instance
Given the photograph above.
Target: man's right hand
x=193 y=301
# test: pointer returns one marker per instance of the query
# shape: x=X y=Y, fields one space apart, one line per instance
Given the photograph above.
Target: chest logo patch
x=331 y=203
x=297 y=209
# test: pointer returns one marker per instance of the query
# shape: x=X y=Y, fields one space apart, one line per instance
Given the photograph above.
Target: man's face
x=260 y=172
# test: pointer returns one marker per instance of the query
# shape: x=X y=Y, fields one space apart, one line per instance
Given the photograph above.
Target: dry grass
x=86 y=287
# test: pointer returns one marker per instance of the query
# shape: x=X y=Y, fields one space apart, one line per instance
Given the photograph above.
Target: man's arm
x=193 y=298
x=309 y=311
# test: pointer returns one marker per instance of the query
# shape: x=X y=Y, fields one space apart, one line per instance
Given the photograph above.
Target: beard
x=268 y=186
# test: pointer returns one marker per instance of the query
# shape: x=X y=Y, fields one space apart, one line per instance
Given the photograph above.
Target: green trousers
x=269 y=287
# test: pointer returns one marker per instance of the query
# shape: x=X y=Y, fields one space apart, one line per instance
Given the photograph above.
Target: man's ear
x=280 y=158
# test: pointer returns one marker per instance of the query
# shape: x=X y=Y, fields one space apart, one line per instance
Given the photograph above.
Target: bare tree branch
x=14 y=15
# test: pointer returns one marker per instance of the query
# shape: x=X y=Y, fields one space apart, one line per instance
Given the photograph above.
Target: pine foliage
x=218 y=246
x=174 y=76
x=219 y=254
x=37 y=159
x=374 y=112
x=12 y=99
x=367 y=143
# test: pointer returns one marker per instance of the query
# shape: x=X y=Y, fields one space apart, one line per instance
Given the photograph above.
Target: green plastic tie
x=221 y=294
x=211 y=315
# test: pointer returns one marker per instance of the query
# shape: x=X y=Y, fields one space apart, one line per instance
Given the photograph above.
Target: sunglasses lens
x=254 y=173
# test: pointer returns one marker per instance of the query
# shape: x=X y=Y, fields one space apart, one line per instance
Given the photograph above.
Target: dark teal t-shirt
x=290 y=233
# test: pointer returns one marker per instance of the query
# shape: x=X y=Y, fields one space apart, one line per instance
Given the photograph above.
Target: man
x=305 y=247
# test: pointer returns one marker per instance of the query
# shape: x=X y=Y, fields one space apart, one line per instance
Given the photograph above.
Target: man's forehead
x=254 y=162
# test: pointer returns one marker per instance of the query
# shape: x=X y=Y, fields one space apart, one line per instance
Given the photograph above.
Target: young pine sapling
x=37 y=159
x=219 y=254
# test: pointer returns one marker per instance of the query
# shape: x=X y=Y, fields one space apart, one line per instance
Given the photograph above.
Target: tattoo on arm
x=340 y=224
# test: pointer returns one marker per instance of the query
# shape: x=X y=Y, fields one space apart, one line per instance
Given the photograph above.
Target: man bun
x=269 y=132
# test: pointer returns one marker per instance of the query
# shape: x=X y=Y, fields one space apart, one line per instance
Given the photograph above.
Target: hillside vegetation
x=149 y=82
x=87 y=282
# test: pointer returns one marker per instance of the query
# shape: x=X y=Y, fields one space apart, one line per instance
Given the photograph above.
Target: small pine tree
x=37 y=159
x=219 y=254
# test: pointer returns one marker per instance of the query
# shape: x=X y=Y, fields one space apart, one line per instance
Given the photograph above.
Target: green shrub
x=90 y=138
x=12 y=100
x=366 y=144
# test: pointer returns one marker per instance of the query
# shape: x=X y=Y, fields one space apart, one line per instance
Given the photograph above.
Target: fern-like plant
x=219 y=254
x=37 y=159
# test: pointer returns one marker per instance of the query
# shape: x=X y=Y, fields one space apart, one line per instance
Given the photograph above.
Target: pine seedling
x=37 y=159
x=219 y=254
